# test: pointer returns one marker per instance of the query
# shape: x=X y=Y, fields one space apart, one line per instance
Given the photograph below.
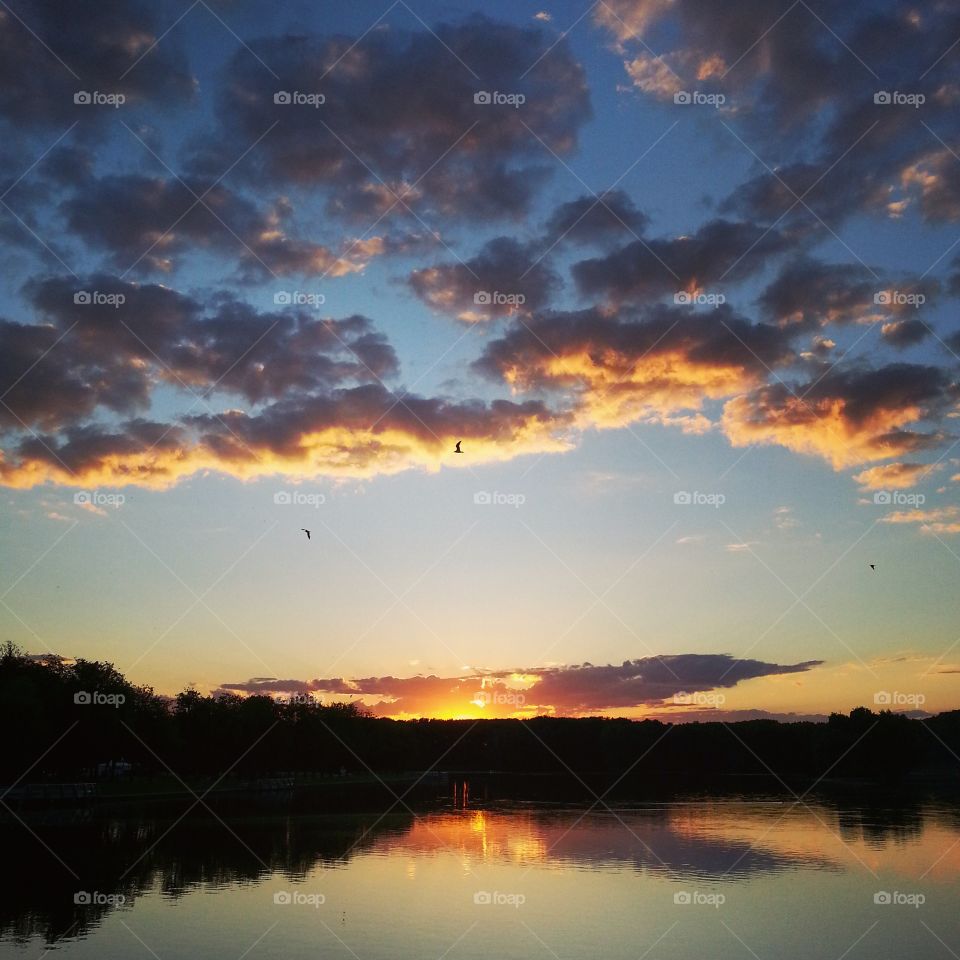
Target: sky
x=681 y=278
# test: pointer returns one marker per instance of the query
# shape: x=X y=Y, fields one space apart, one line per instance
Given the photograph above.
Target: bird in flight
x=873 y=567
x=457 y=449
x=306 y=531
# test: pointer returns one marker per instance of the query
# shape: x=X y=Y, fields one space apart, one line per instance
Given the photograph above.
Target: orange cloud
x=663 y=368
x=627 y=19
x=940 y=520
x=894 y=476
x=846 y=418
x=672 y=680
x=357 y=433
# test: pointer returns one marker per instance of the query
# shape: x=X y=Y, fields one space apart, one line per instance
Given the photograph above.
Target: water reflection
x=678 y=843
x=122 y=857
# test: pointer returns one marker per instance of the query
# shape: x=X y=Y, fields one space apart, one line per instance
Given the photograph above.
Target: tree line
x=71 y=721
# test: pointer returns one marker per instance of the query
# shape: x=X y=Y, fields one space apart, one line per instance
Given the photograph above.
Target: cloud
x=41 y=387
x=395 y=102
x=782 y=68
x=820 y=348
x=504 y=279
x=720 y=251
x=566 y=690
x=936 y=521
x=787 y=80
x=952 y=343
x=871 y=161
x=719 y=715
x=318 y=405
x=317 y=402
x=904 y=333
x=650 y=680
x=355 y=432
x=154 y=223
x=89 y=507
x=936 y=177
x=113 y=351
x=808 y=294
x=894 y=476
x=106 y=46
x=290 y=392
x=783 y=518
x=847 y=417
x=617 y=369
x=51 y=658
x=606 y=218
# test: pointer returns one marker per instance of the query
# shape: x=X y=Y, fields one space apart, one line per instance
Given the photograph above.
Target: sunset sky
x=682 y=277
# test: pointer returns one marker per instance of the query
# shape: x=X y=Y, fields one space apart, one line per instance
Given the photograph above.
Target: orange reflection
x=707 y=839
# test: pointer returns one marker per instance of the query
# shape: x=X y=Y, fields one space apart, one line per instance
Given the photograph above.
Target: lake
x=699 y=877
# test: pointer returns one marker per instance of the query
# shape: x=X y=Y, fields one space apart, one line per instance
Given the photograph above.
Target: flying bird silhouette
x=457 y=449
x=873 y=567
x=306 y=531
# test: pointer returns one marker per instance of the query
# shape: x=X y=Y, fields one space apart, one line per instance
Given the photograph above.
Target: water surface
x=700 y=878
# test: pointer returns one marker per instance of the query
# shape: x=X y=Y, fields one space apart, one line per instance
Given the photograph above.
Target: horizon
x=512 y=694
